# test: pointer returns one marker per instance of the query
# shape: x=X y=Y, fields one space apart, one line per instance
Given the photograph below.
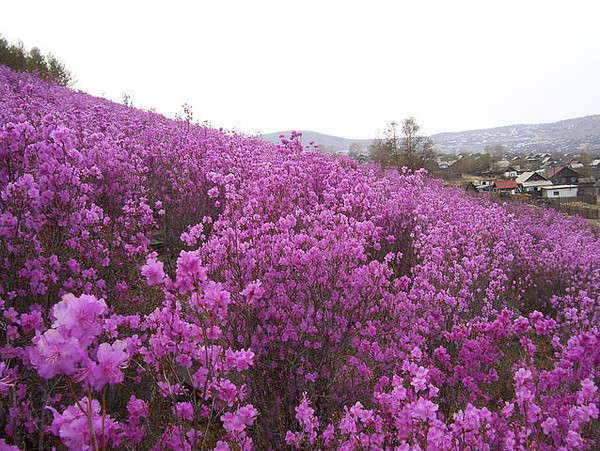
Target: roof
x=555 y=187
x=554 y=171
x=505 y=184
x=525 y=176
x=537 y=183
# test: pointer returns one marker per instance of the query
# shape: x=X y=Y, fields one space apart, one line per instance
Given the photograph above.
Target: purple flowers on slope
x=262 y=296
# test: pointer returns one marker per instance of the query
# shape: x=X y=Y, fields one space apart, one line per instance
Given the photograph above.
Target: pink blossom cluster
x=165 y=285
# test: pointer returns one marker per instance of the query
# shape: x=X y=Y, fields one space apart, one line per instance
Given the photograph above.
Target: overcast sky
x=344 y=68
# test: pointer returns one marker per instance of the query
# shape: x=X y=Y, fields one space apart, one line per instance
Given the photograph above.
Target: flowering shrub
x=165 y=285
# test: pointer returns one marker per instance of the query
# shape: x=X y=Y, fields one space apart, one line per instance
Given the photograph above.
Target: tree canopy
x=18 y=58
x=402 y=145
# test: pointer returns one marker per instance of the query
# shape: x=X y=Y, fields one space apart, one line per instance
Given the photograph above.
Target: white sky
x=338 y=67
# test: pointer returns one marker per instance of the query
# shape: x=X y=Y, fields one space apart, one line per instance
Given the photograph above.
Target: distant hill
x=571 y=135
x=329 y=143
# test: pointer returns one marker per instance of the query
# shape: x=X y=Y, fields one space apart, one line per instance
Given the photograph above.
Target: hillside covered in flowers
x=165 y=285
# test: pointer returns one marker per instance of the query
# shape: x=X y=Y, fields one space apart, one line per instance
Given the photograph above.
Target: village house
x=505 y=186
x=559 y=191
x=510 y=172
x=530 y=182
x=484 y=186
x=548 y=162
x=561 y=175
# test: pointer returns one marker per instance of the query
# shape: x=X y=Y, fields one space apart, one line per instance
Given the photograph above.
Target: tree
x=58 y=72
x=406 y=149
x=417 y=150
x=19 y=59
x=472 y=164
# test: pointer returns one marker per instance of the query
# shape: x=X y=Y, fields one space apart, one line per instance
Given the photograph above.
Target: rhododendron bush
x=165 y=285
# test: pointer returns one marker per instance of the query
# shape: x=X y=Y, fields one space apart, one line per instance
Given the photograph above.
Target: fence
x=581 y=210
x=571 y=206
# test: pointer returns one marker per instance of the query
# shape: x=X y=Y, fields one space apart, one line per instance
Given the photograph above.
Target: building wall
x=563 y=180
x=560 y=193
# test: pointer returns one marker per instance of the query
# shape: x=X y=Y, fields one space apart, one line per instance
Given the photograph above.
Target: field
x=164 y=285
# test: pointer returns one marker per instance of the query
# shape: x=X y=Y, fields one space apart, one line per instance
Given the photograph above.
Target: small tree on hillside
x=416 y=149
x=403 y=148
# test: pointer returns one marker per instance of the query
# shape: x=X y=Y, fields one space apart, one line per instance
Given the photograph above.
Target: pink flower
x=420 y=381
x=240 y=419
x=227 y=391
x=216 y=296
x=184 y=410
x=584 y=413
x=424 y=409
x=522 y=375
x=416 y=353
x=154 y=272
x=328 y=434
x=588 y=391
x=290 y=438
x=574 y=439
x=73 y=428
x=7 y=378
x=521 y=325
x=549 y=425
x=239 y=360
x=189 y=264
x=33 y=321
x=232 y=422
x=53 y=354
x=247 y=414
x=253 y=292
x=189 y=271
x=137 y=408
x=111 y=359
x=304 y=413
x=78 y=317
x=437 y=436
x=348 y=424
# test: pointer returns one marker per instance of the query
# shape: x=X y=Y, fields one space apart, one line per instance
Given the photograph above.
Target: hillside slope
x=169 y=286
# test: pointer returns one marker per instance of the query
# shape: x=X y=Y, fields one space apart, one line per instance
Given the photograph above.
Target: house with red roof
x=505 y=186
